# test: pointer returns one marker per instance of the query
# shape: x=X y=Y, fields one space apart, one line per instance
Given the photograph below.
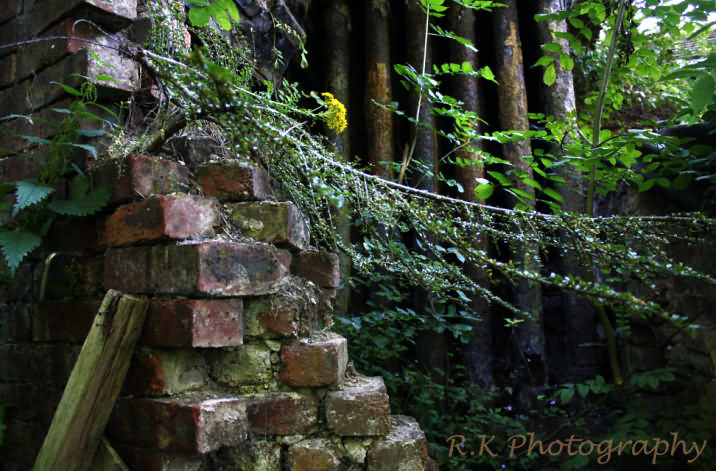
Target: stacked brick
x=235 y=369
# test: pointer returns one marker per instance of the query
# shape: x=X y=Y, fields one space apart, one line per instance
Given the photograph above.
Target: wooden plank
x=107 y=459
x=93 y=387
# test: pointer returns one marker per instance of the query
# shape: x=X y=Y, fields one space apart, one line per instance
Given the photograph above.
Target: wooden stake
x=93 y=387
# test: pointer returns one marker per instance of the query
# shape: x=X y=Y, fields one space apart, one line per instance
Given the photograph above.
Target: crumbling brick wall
x=236 y=368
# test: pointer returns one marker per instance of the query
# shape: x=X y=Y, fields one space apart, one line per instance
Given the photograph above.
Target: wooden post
x=93 y=387
x=107 y=459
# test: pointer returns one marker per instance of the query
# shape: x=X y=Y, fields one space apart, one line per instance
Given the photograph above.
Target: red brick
x=232 y=180
x=268 y=221
x=315 y=362
x=194 y=323
x=323 y=268
x=152 y=460
x=74 y=276
x=316 y=454
x=38 y=363
x=42 y=93
x=194 y=425
x=114 y=14
x=207 y=268
x=68 y=321
x=140 y=176
x=165 y=372
x=18 y=168
x=37 y=55
x=360 y=408
x=282 y=414
x=159 y=217
x=243 y=366
x=404 y=448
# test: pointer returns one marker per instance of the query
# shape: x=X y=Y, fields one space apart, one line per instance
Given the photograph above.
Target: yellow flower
x=335 y=115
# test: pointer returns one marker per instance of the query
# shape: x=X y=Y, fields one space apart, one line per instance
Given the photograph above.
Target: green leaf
x=703 y=93
x=502 y=179
x=91 y=149
x=85 y=206
x=566 y=395
x=91 y=132
x=220 y=15
x=543 y=61
x=79 y=187
x=533 y=183
x=105 y=78
x=484 y=190
x=522 y=193
x=550 y=75
x=36 y=140
x=230 y=7
x=199 y=16
x=29 y=193
x=552 y=47
x=15 y=245
x=466 y=67
x=487 y=74
x=553 y=194
x=71 y=90
x=566 y=61
x=583 y=390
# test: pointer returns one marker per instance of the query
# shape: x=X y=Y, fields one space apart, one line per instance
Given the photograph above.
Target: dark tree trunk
x=570 y=361
x=512 y=97
x=478 y=353
x=380 y=146
x=337 y=29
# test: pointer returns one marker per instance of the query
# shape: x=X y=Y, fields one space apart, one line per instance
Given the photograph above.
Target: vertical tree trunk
x=512 y=99
x=575 y=314
x=478 y=352
x=337 y=29
x=432 y=347
x=425 y=153
x=380 y=145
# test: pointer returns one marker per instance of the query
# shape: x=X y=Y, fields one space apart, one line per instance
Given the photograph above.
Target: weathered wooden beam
x=93 y=387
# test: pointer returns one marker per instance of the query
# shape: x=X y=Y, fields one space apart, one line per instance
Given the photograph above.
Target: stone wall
x=236 y=368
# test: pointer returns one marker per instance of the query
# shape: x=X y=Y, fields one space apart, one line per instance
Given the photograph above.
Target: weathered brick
x=316 y=454
x=38 y=363
x=68 y=321
x=258 y=455
x=194 y=323
x=207 y=268
x=404 y=448
x=232 y=180
x=74 y=276
x=68 y=38
x=316 y=361
x=359 y=408
x=241 y=366
x=194 y=151
x=140 y=176
x=114 y=14
x=164 y=372
x=153 y=460
x=18 y=168
x=323 y=268
x=72 y=234
x=189 y=424
x=268 y=221
x=36 y=93
x=282 y=413
x=159 y=217
x=16 y=320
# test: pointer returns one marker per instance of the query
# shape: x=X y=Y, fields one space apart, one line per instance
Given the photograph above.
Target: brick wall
x=236 y=368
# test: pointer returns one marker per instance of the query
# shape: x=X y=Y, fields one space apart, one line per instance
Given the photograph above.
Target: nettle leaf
x=484 y=190
x=550 y=75
x=501 y=178
x=28 y=193
x=553 y=194
x=16 y=245
x=91 y=149
x=89 y=204
x=71 y=90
